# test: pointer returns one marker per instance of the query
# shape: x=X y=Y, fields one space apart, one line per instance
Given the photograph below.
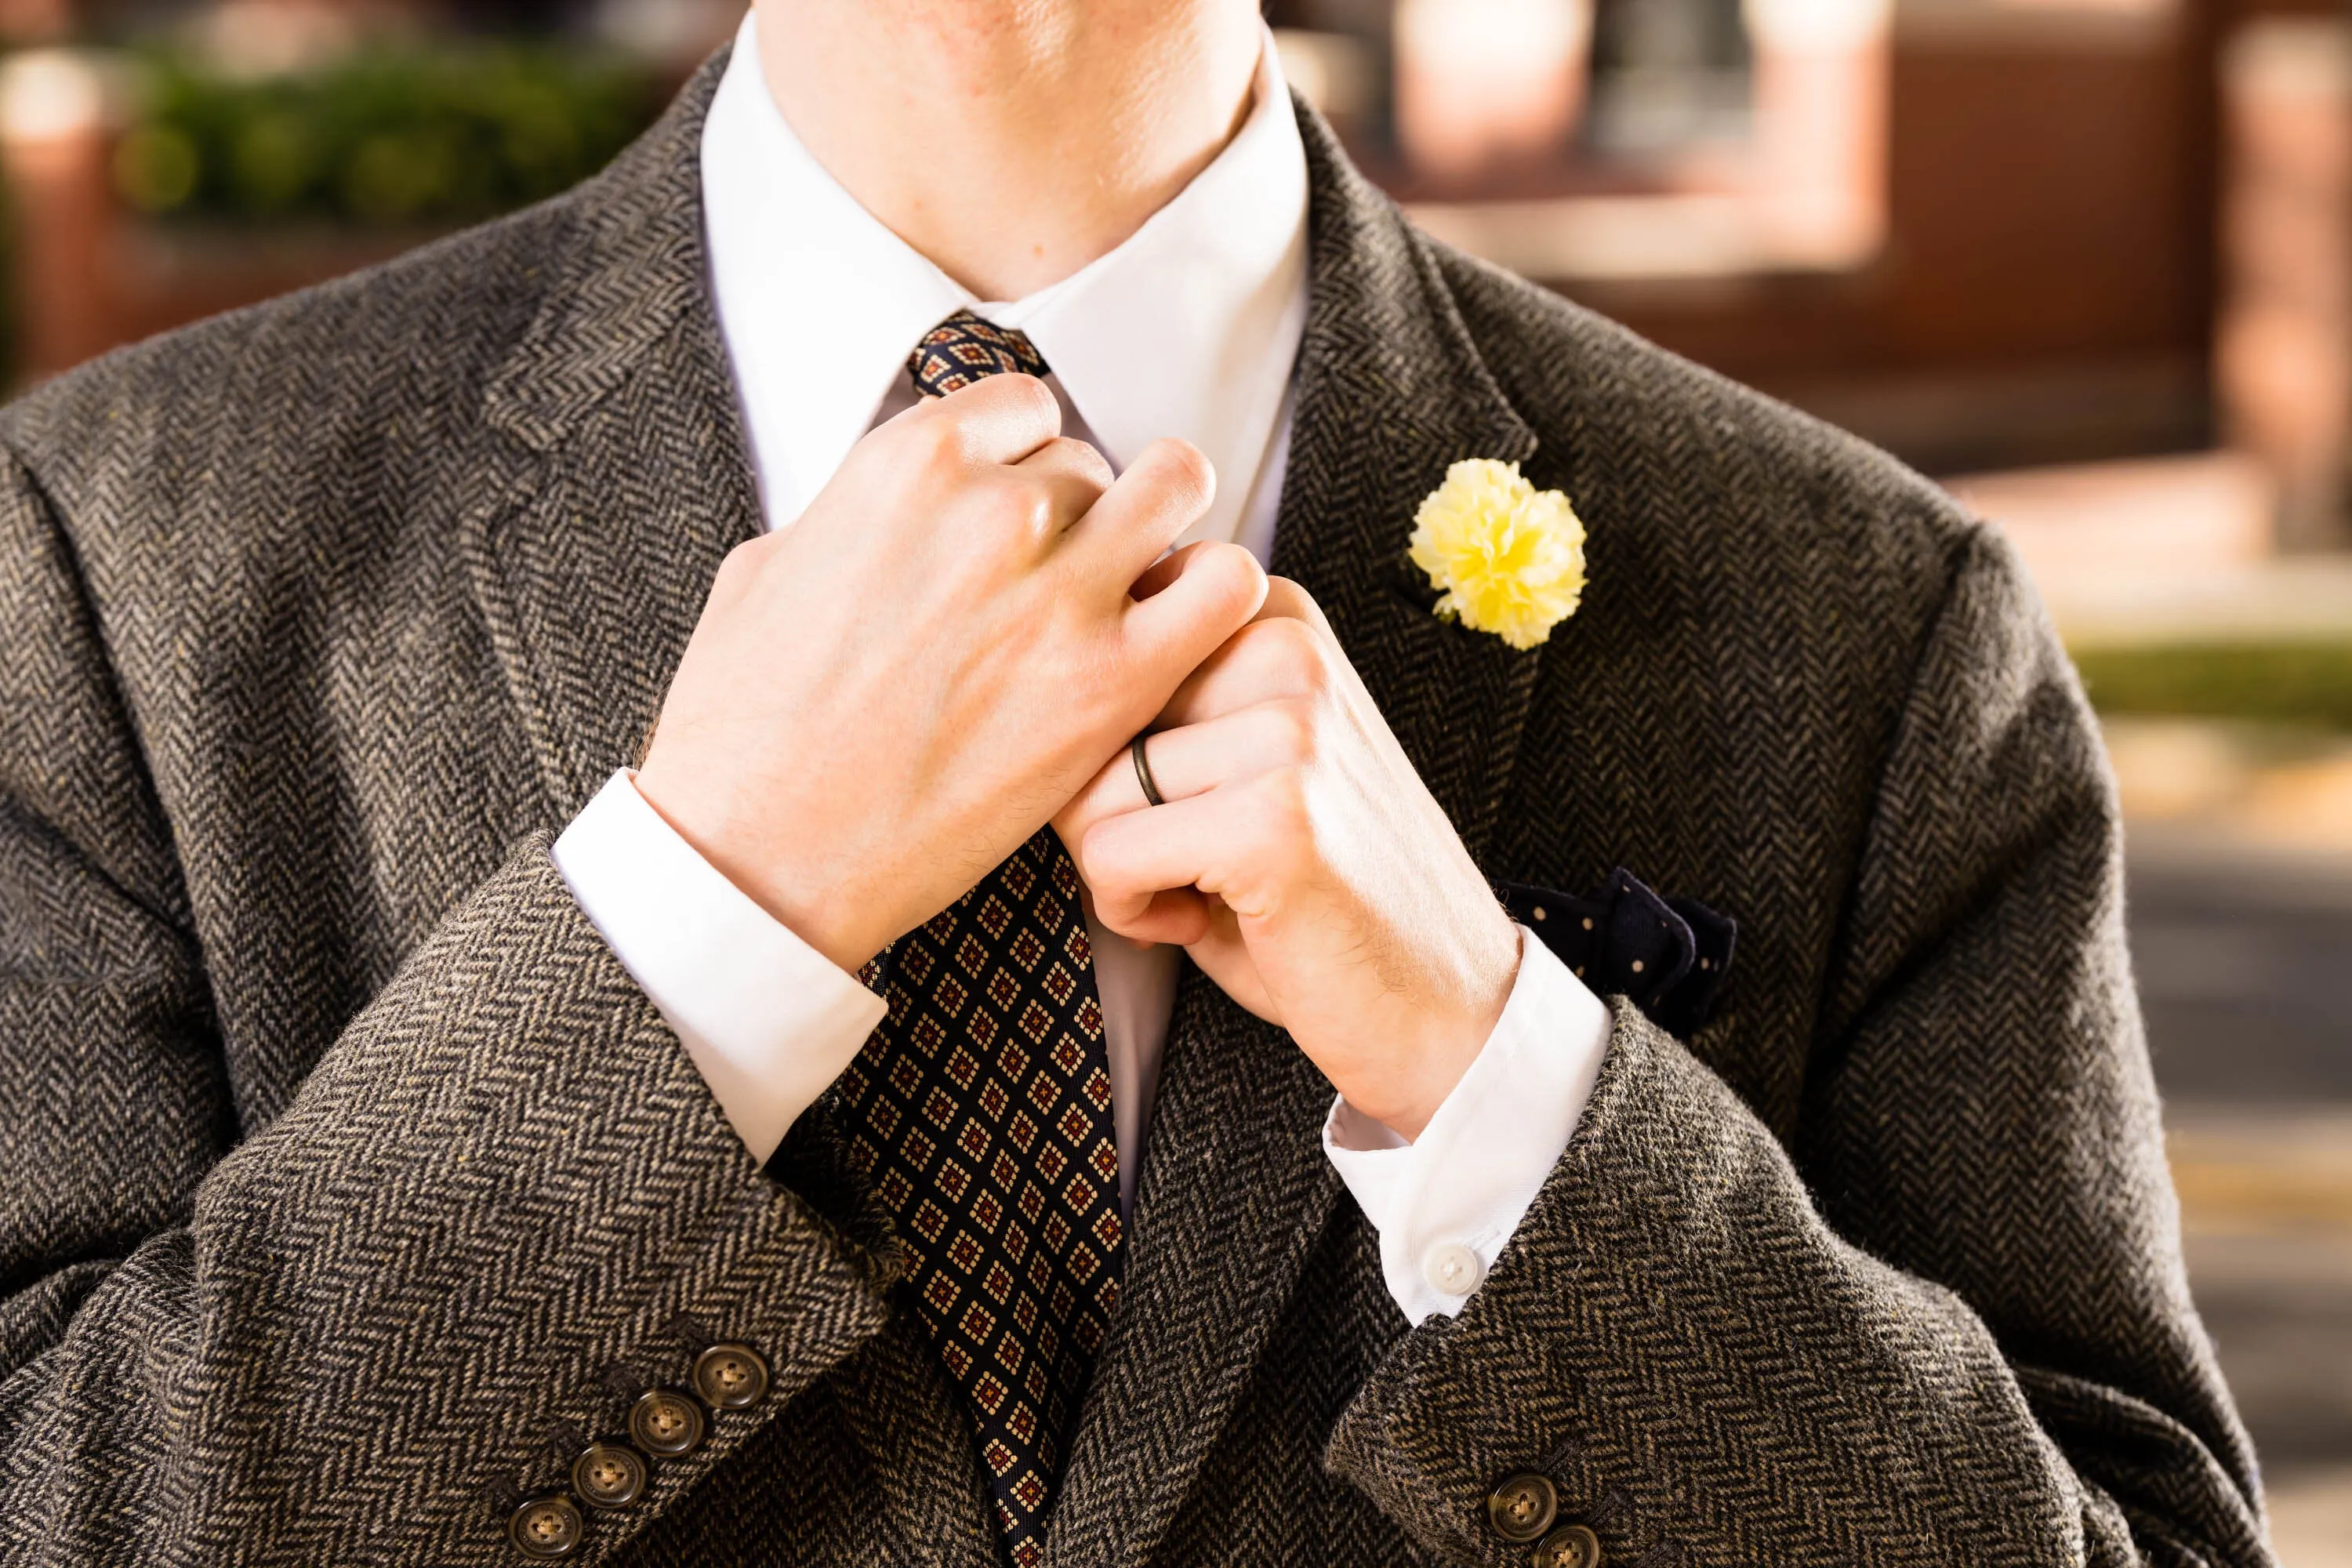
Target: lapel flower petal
x=1505 y=556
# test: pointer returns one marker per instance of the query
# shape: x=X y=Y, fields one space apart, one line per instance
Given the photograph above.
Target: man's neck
x=1012 y=141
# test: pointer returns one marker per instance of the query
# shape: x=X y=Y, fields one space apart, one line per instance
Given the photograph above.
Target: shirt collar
x=1189 y=327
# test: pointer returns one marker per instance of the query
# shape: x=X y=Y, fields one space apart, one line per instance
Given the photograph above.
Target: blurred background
x=2088 y=262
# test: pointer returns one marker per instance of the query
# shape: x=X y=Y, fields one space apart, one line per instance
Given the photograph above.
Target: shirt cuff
x=767 y=1020
x=1445 y=1205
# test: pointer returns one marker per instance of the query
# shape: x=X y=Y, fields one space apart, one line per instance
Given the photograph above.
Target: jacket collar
x=625 y=479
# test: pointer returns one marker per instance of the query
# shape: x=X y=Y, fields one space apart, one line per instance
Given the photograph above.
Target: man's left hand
x=1305 y=867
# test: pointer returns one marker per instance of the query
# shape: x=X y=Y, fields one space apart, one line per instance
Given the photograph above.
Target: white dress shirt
x=1189 y=327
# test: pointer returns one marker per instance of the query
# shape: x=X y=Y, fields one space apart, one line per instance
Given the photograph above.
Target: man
x=388 y=1179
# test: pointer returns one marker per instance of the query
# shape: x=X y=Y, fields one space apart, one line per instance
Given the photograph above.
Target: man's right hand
x=881 y=702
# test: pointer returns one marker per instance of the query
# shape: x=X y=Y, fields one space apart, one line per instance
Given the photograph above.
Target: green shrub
x=2292 y=682
x=417 y=135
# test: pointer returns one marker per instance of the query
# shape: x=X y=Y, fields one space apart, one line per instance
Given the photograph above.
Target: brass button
x=666 y=1424
x=1570 y=1546
x=610 y=1475
x=731 y=1376
x=547 y=1528
x=1523 y=1507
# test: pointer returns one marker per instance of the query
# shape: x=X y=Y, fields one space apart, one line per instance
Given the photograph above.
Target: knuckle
x=741 y=564
x=1295 y=732
x=937 y=439
x=1293 y=645
x=1185 y=469
x=1236 y=559
x=1312 y=670
x=1283 y=829
x=1287 y=598
x=1033 y=515
x=1283 y=802
x=1013 y=505
x=1105 y=872
x=1086 y=461
x=1028 y=399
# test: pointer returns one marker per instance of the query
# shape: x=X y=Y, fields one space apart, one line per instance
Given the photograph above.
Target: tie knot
x=966 y=348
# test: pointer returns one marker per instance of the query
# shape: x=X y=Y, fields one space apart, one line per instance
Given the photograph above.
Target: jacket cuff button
x=731 y=1376
x=1522 y=1506
x=610 y=1475
x=547 y=1529
x=666 y=1424
x=1570 y=1546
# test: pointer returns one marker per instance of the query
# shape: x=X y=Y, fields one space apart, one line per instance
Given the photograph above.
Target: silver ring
x=1143 y=769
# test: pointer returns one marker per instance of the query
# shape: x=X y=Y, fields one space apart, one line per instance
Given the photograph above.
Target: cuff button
x=1570 y=1546
x=547 y=1529
x=666 y=1424
x=610 y=1475
x=1522 y=1508
x=731 y=1376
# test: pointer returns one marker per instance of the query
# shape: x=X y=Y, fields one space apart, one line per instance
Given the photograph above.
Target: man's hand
x=1305 y=866
x=882 y=701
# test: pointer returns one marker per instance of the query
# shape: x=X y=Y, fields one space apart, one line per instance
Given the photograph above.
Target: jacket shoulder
x=400 y=352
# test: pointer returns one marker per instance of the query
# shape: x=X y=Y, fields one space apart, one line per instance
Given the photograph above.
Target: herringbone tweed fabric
x=339 y=1161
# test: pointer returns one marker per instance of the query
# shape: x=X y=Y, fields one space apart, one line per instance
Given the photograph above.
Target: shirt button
x=547 y=1528
x=731 y=1376
x=609 y=1475
x=1452 y=1269
x=666 y=1424
x=1570 y=1546
x=1522 y=1506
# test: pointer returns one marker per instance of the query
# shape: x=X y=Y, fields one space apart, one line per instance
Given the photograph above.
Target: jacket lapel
x=1236 y=1190
x=624 y=476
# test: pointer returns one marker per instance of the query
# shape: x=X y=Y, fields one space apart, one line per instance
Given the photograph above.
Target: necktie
x=980 y=1115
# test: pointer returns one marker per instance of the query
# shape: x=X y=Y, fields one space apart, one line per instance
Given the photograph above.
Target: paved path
x=2245 y=970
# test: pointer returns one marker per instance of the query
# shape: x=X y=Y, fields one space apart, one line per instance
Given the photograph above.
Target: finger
x=1177 y=916
x=1214 y=590
x=1269 y=659
x=1056 y=485
x=1286 y=600
x=1230 y=749
x=998 y=419
x=1207 y=843
x=1162 y=572
x=1067 y=455
x=1162 y=493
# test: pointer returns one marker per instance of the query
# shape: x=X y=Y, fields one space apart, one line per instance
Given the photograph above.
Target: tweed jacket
x=346 y=1178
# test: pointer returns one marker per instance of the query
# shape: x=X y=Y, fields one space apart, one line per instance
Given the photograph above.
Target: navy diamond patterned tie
x=980 y=1114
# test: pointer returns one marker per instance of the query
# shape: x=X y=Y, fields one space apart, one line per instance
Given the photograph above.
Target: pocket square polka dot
x=1506 y=557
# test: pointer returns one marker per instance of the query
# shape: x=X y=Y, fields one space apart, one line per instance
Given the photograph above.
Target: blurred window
x=1575 y=140
x=1669 y=75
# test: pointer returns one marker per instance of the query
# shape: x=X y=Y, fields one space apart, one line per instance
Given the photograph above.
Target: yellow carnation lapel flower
x=1505 y=556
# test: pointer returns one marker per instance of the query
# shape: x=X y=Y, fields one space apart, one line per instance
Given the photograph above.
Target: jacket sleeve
x=346 y=1337
x=1948 y=1322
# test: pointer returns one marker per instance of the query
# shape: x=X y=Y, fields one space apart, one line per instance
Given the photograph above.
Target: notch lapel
x=1236 y=1190
x=624 y=476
